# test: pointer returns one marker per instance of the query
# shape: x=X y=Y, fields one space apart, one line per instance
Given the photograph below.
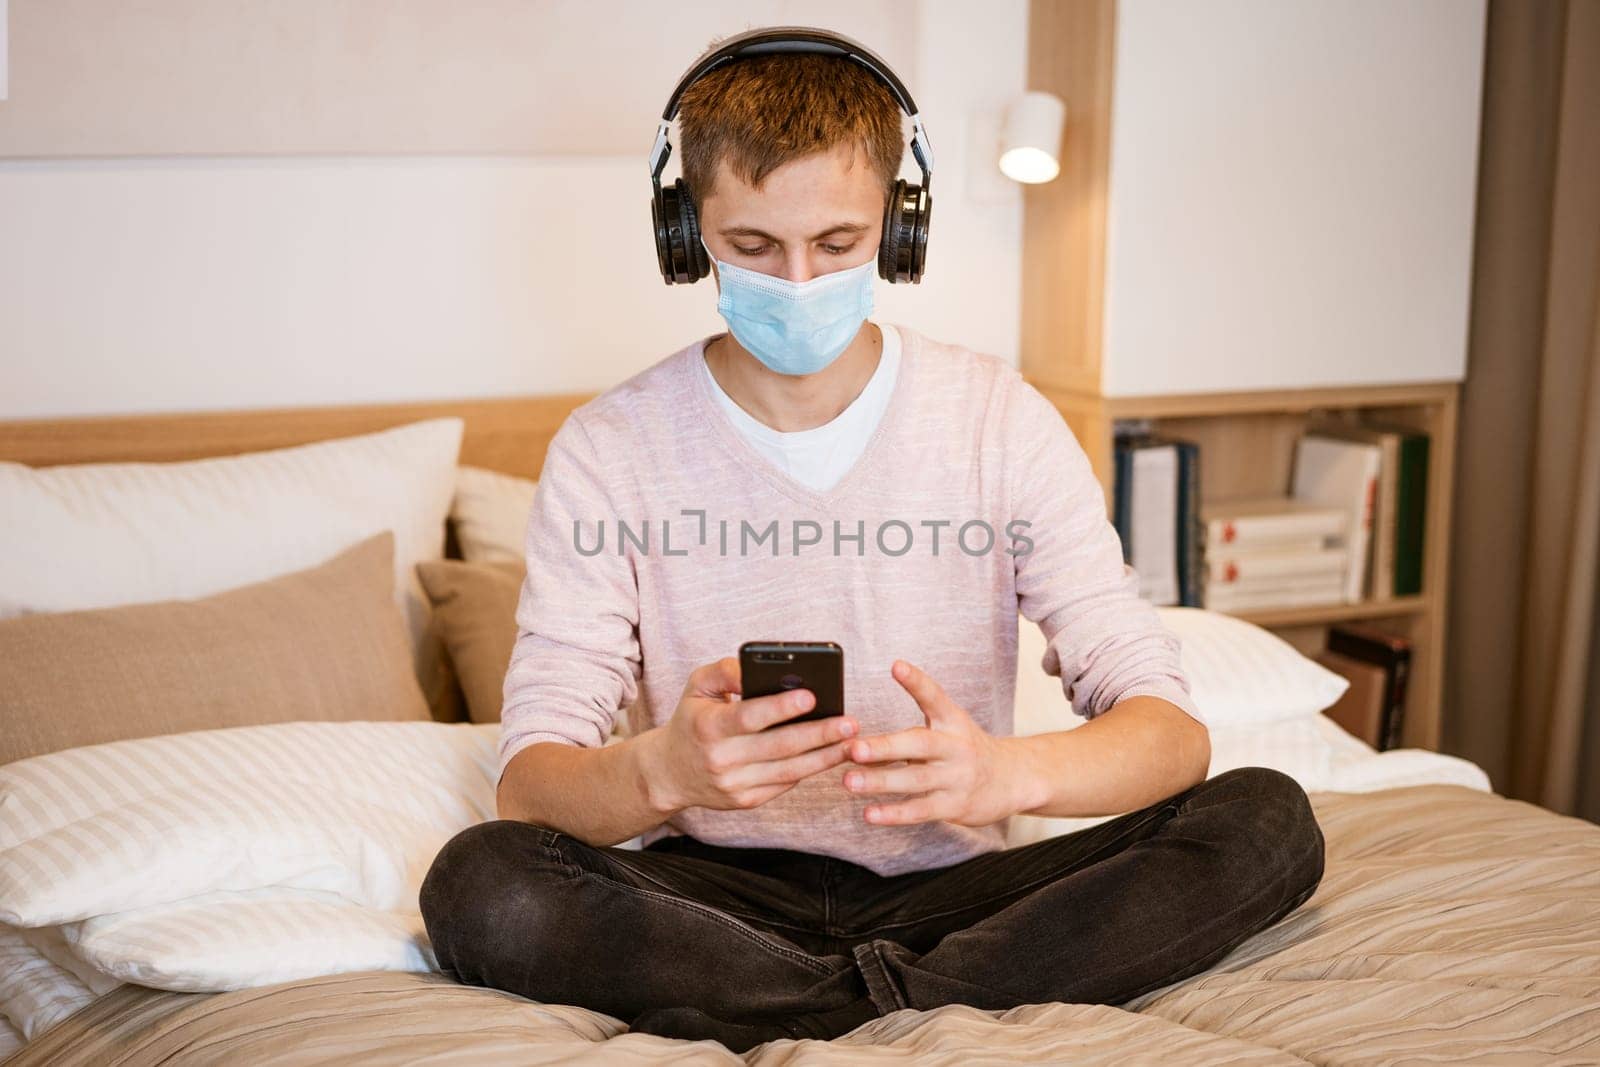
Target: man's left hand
x=962 y=773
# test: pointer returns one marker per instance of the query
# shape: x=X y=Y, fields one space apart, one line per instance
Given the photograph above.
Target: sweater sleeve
x=1104 y=641
x=576 y=659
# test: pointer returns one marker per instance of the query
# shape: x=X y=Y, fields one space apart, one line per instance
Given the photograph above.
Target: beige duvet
x=1451 y=926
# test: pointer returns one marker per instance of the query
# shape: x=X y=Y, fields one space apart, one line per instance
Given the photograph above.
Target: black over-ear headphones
x=905 y=218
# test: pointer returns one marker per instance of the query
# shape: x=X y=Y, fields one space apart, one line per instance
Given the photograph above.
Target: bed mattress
x=1451 y=926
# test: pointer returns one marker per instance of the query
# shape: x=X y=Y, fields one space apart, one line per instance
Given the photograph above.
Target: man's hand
x=713 y=752
x=963 y=773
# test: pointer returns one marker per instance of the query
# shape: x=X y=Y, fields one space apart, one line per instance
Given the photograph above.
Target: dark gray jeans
x=1097 y=916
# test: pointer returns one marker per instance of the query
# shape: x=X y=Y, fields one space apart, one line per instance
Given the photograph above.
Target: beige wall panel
x=226 y=77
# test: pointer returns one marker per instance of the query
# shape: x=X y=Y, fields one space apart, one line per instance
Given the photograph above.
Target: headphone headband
x=792 y=39
x=789 y=39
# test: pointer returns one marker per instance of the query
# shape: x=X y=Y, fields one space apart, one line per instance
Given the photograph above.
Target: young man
x=813 y=475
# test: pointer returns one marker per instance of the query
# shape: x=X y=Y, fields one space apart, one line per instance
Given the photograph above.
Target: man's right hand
x=716 y=752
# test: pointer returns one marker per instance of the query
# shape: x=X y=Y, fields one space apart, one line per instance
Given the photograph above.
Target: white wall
x=224 y=282
x=1292 y=193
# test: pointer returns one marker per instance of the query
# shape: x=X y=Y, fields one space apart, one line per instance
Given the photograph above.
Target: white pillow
x=1239 y=674
x=51 y=943
x=102 y=534
x=34 y=993
x=222 y=941
x=1242 y=673
x=490 y=513
x=223 y=859
x=353 y=808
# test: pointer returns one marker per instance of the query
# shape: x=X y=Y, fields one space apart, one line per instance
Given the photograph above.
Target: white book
x=1341 y=473
x=1233 y=599
x=1245 y=567
x=1242 y=522
x=1284 y=583
x=1380 y=567
x=1242 y=549
x=1153 y=549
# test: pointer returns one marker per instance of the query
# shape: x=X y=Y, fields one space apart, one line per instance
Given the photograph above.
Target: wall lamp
x=1030 y=145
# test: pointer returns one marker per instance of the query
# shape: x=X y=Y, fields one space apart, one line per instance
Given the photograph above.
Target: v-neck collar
x=747 y=454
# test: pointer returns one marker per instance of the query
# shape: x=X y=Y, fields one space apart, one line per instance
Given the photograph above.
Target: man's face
x=814 y=215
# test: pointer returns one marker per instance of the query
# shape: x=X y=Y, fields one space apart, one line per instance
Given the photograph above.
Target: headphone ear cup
x=695 y=259
x=904 y=247
x=678 y=250
x=889 y=243
x=658 y=222
x=919 y=233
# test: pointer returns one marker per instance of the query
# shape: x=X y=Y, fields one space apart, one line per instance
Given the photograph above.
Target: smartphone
x=769 y=667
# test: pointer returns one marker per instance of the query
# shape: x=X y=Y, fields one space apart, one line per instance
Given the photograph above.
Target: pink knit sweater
x=971 y=501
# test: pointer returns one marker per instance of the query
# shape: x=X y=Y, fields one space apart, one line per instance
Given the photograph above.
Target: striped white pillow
x=34 y=993
x=51 y=943
x=353 y=808
x=490 y=512
x=222 y=941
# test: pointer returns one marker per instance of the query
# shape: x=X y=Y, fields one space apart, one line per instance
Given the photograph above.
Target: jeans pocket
x=549 y=842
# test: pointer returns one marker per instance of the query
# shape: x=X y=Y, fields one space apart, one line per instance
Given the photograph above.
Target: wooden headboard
x=507 y=434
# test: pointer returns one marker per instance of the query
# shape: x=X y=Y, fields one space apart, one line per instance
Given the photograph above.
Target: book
x=1232 y=568
x=1360 y=709
x=1391 y=652
x=1146 y=498
x=1341 y=473
x=1379 y=562
x=1242 y=522
x=1291 y=593
x=1251 y=548
x=1411 y=506
x=1191 y=539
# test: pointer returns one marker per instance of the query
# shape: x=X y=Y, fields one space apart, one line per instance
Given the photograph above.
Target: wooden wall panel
x=506 y=434
x=1070 y=53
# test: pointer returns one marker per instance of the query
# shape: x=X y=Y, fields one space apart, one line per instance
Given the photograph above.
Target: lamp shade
x=1030 y=145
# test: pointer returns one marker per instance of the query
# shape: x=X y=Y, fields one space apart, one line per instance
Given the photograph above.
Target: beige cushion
x=437 y=676
x=325 y=643
x=474 y=609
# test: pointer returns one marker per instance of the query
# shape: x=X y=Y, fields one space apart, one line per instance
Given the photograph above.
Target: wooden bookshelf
x=1247 y=439
x=1247 y=449
x=1409 y=605
x=1247 y=444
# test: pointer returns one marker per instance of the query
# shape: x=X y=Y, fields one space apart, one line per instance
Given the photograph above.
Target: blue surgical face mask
x=794 y=327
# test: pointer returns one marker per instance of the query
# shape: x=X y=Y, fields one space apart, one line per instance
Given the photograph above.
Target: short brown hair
x=761 y=112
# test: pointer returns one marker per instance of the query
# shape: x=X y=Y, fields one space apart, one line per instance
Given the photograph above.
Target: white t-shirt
x=817 y=458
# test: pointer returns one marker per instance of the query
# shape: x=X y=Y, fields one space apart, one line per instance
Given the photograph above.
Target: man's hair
x=761 y=112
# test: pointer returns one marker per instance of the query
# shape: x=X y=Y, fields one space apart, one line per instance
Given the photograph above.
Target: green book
x=1411 y=505
x=1412 y=513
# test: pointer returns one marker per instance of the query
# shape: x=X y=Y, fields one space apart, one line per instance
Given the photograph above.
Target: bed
x=1451 y=924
